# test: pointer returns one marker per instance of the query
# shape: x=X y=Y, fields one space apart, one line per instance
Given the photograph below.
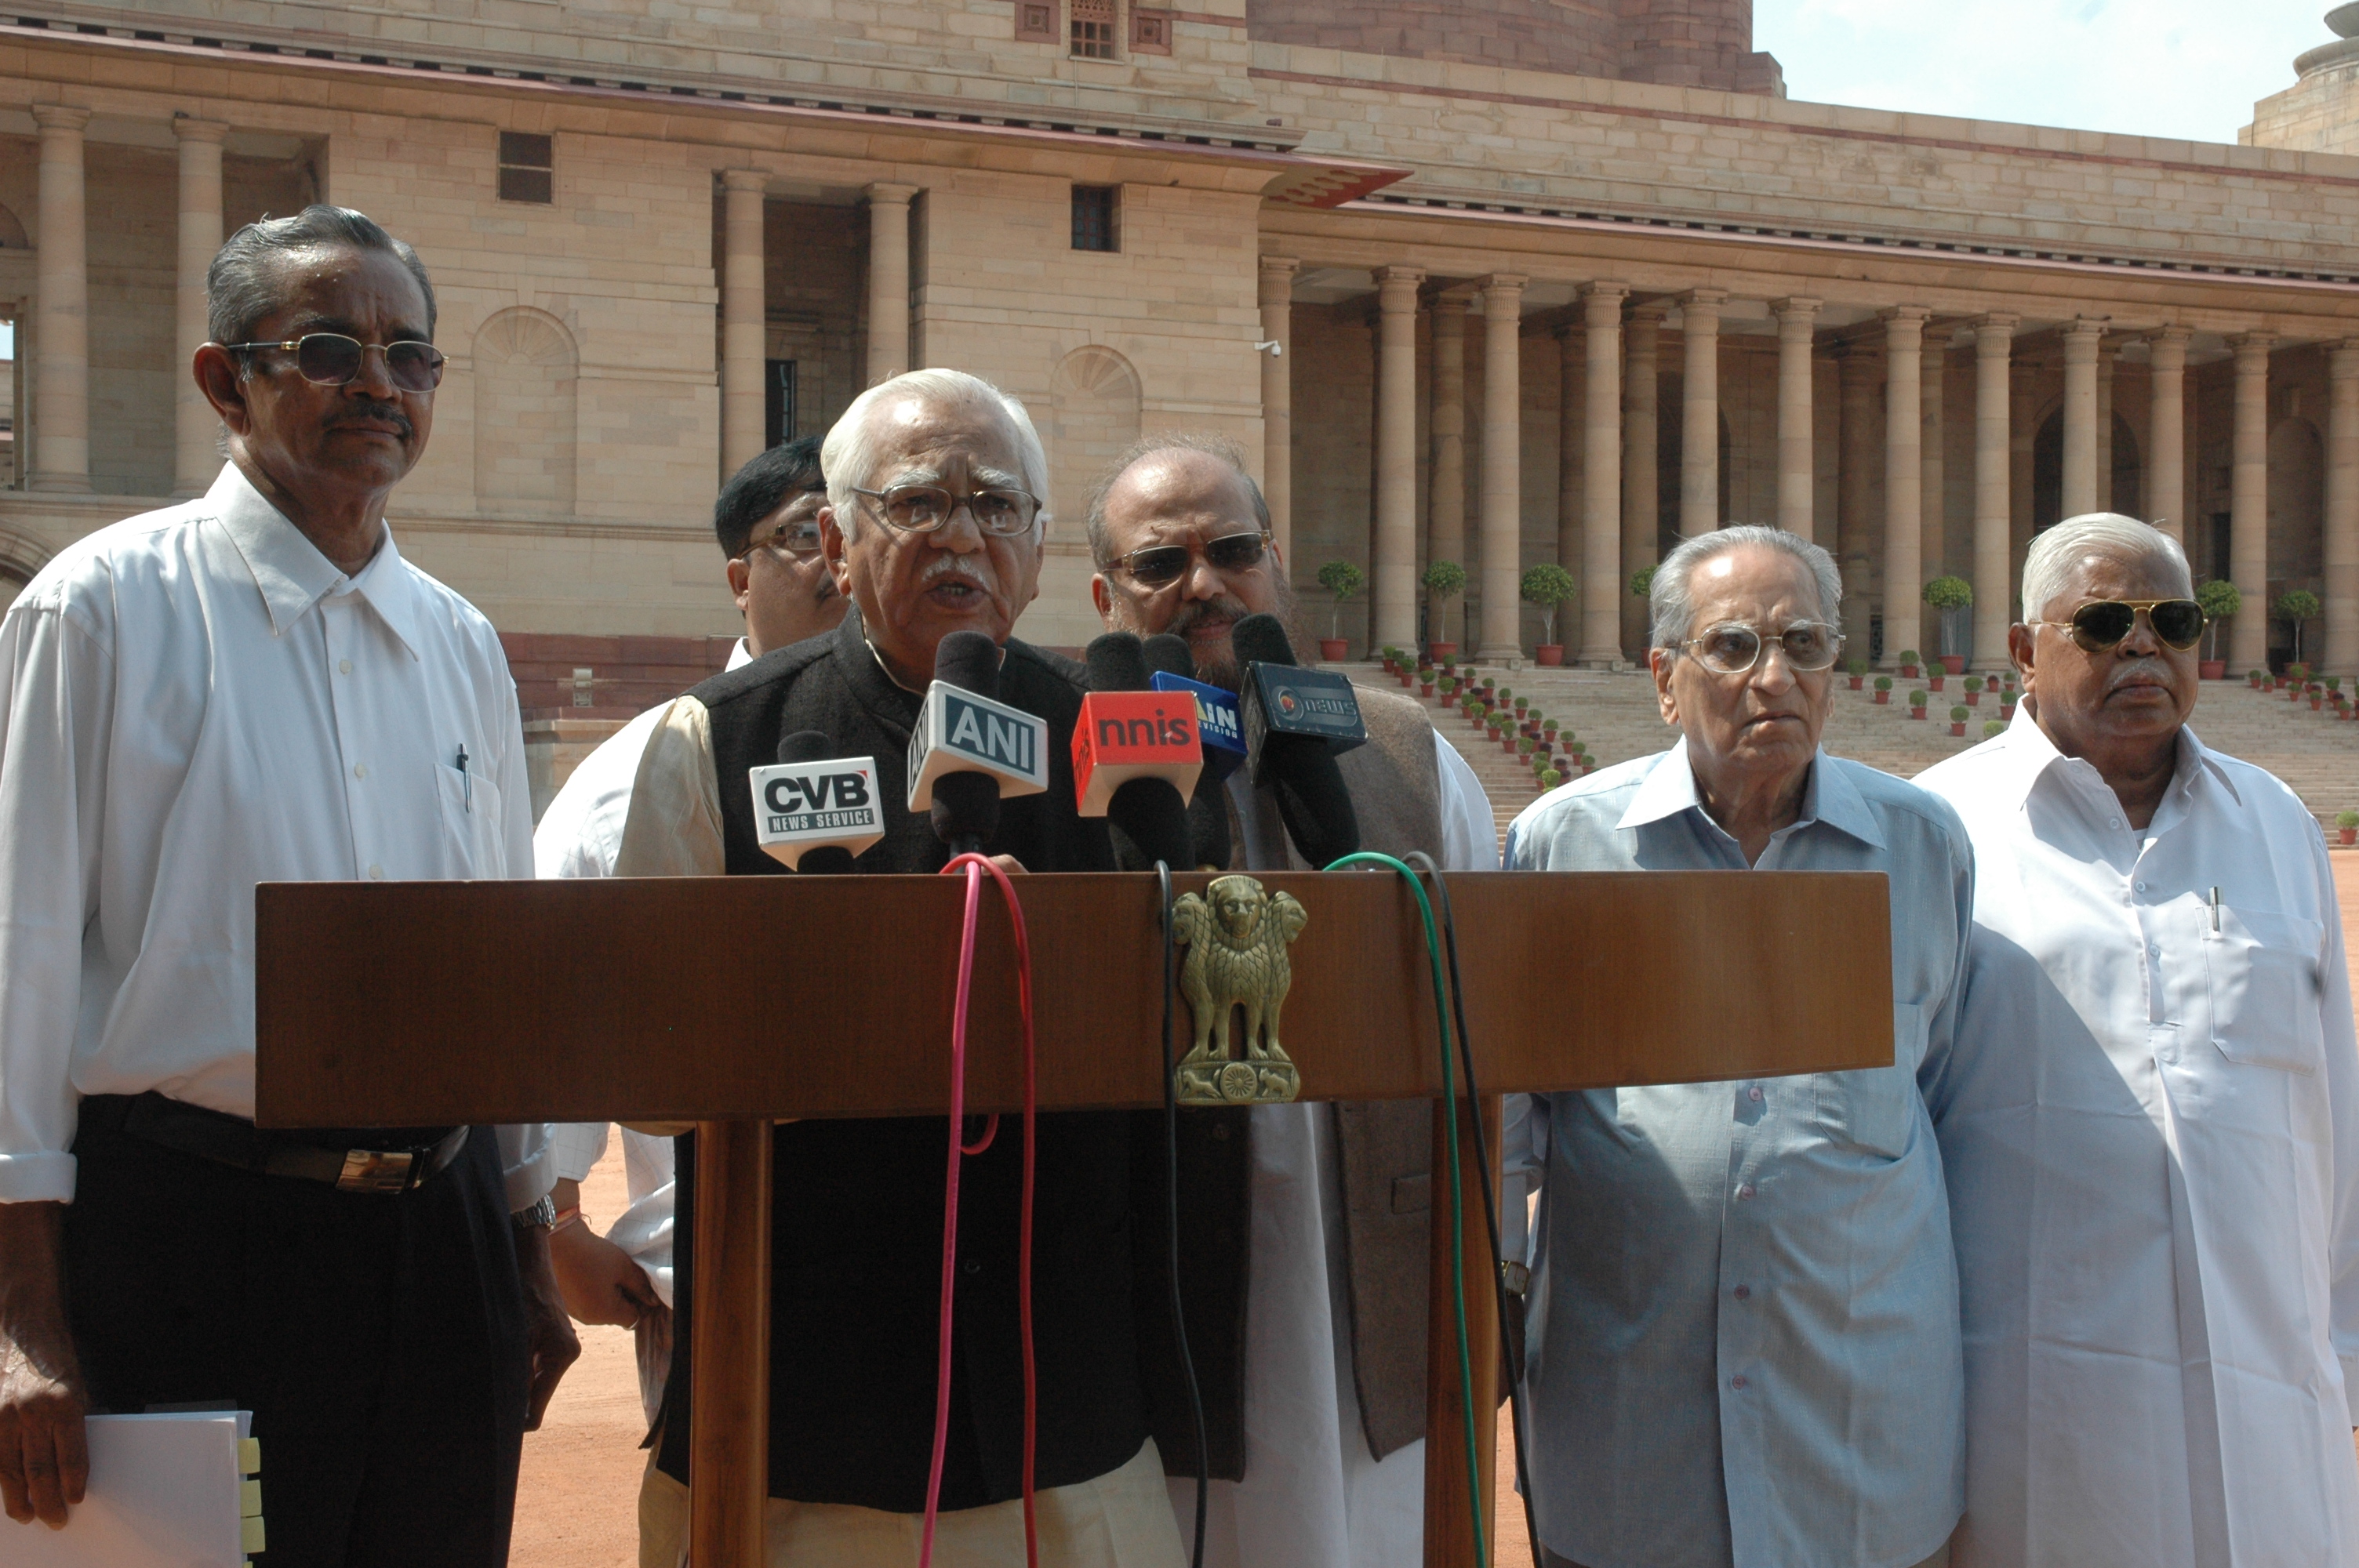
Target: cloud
x=2190 y=69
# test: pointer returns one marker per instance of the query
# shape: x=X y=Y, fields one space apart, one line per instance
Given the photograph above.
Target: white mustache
x=947 y=565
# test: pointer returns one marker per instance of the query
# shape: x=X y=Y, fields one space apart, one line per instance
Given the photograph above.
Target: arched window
x=1094 y=398
x=525 y=375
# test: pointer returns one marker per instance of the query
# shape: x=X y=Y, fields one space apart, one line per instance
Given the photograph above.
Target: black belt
x=234 y=1141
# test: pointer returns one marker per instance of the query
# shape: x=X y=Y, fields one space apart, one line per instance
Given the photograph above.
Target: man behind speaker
x=1180 y=535
x=933 y=524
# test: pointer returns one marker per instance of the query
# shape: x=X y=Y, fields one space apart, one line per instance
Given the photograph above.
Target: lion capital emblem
x=1236 y=935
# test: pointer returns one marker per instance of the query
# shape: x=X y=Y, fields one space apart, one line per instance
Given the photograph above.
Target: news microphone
x=1221 y=735
x=1135 y=755
x=814 y=811
x=1296 y=721
x=968 y=748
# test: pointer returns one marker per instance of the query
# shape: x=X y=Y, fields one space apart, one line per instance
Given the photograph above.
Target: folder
x=171 y=1490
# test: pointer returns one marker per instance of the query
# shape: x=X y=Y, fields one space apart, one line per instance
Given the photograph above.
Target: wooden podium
x=734 y=1001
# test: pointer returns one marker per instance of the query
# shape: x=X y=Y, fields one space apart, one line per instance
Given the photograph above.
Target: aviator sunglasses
x=2101 y=623
x=1159 y=566
x=331 y=359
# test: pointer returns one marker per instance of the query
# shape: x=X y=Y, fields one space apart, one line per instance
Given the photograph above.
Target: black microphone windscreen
x=1208 y=828
x=1117 y=662
x=827 y=861
x=1168 y=654
x=1152 y=816
x=804 y=746
x=1261 y=639
x=969 y=660
x=1315 y=806
x=966 y=806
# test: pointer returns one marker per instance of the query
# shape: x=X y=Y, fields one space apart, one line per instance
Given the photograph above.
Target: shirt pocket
x=2263 y=970
x=1874 y=1109
x=471 y=824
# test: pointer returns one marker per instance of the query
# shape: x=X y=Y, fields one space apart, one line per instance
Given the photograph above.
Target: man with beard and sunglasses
x=2151 y=1122
x=256 y=686
x=1179 y=534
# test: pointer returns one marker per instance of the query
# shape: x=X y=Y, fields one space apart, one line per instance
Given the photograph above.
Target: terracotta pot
x=2346 y=835
x=2211 y=669
x=1882 y=698
x=1955 y=664
x=1915 y=713
x=1958 y=727
x=1332 y=650
x=1974 y=700
x=2006 y=713
x=1933 y=684
x=2314 y=704
x=1425 y=688
x=1857 y=682
x=1908 y=671
x=1507 y=742
x=1549 y=655
x=1441 y=650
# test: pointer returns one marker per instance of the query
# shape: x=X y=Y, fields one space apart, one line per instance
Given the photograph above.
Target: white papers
x=165 y=1492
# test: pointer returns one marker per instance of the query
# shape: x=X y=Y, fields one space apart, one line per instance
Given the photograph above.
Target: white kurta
x=2151 y=1130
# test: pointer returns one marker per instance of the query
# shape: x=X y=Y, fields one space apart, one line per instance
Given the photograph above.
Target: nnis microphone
x=814 y=812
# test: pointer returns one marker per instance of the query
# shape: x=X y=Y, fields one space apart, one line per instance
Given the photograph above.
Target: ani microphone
x=970 y=749
x=814 y=811
x=1135 y=755
x=1296 y=722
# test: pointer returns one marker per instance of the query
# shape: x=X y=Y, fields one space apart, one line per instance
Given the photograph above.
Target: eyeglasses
x=2101 y=623
x=1158 y=566
x=794 y=537
x=1733 y=648
x=331 y=359
x=922 y=508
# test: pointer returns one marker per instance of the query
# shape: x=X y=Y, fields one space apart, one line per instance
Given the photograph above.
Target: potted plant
x=1642 y=582
x=2316 y=695
x=1883 y=690
x=1548 y=727
x=1916 y=705
x=1549 y=585
x=1991 y=728
x=1857 y=670
x=1909 y=662
x=1447 y=580
x=1425 y=681
x=1490 y=722
x=1526 y=745
x=1974 y=691
x=1937 y=679
x=1958 y=719
x=2256 y=678
x=2298 y=606
x=2296 y=678
x=1550 y=778
x=1950 y=594
x=2006 y=705
x=2346 y=826
x=1344 y=579
x=2220 y=599
x=1521 y=704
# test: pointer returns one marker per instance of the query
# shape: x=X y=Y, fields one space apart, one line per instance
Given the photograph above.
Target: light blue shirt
x=1742 y=1322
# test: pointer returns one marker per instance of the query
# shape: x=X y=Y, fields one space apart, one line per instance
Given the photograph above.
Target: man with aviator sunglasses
x=2150 y=1125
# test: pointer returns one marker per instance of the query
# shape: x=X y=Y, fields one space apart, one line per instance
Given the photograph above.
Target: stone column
x=2105 y=424
x=2341 y=651
x=1994 y=502
x=1932 y=506
x=1700 y=413
x=1603 y=579
x=2165 y=467
x=1641 y=503
x=1447 y=509
x=61 y=328
x=1795 y=319
x=744 y=320
x=1855 y=524
x=1278 y=400
x=1904 y=330
x=2080 y=417
x=1572 y=421
x=888 y=280
x=1503 y=410
x=194 y=424
x=2248 y=503
x=1392 y=596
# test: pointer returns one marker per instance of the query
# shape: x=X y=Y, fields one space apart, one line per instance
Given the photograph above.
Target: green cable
x=1457 y=1191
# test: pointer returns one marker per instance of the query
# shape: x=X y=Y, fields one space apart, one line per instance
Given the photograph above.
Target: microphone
x=1135 y=753
x=814 y=811
x=1221 y=736
x=969 y=749
x=1296 y=722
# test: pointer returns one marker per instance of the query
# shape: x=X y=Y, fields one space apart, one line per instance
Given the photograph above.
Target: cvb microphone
x=1296 y=721
x=1222 y=738
x=1135 y=755
x=969 y=749
x=814 y=811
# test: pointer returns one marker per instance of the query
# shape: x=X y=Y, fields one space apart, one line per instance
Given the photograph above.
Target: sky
x=2190 y=69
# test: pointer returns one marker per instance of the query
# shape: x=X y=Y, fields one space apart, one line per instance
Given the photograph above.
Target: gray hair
x=1218 y=447
x=848 y=457
x=242 y=286
x=1673 y=607
x=2057 y=550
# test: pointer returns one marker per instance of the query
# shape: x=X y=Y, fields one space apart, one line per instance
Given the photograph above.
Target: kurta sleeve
x=674 y=825
x=57 y=683
x=2342 y=1109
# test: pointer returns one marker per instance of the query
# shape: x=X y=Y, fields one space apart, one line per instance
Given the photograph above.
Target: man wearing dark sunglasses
x=2151 y=1128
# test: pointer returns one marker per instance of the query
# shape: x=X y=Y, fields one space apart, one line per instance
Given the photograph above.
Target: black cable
x=1172 y=1222
x=1425 y=863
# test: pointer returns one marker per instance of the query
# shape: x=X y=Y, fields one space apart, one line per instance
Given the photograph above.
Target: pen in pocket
x=2215 y=912
x=467 y=788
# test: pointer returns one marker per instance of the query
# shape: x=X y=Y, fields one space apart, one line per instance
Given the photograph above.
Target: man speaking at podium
x=934 y=525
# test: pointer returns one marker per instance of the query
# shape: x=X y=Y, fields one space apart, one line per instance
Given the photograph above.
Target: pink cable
x=974 y=866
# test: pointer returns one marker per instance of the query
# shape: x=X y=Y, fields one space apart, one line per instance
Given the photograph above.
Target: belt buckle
x=376 y=1171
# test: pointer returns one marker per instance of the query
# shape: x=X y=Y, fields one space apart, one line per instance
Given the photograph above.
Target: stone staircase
x=1616 y=715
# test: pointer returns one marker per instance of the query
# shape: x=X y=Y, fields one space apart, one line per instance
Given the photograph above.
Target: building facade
x=1496 y=282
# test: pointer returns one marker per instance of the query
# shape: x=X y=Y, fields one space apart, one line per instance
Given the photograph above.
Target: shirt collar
x=292 y=574
x=2028 y=754
x=1829 y=798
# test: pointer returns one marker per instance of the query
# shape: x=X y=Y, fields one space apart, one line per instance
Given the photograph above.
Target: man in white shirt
x=2150 y=1122
x=255 y=687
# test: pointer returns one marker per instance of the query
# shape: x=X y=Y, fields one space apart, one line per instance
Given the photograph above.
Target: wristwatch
x=540 y=1217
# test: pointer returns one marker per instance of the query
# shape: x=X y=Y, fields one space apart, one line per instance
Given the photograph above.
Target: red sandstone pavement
x=576 y=1500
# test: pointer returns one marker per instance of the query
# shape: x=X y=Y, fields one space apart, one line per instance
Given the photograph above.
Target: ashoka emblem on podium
x=1236 y=935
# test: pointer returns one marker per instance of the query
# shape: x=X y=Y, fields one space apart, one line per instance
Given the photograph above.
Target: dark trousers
x=378 y=1340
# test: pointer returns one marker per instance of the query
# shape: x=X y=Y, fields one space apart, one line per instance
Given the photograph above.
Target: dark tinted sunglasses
x=1158 y=566
x=331 y=359
x=2101 y=623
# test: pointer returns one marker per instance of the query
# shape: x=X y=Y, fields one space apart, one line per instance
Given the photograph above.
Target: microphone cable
x=974 y=866
x=1171 y=1220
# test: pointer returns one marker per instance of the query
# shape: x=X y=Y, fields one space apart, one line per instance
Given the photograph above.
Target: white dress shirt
x=197 y=700
x=2151 y=1128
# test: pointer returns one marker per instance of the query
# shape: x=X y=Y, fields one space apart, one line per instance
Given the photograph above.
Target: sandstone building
x=1493 y=281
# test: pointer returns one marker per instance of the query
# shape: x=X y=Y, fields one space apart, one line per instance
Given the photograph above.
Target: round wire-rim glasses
x=1733 y=648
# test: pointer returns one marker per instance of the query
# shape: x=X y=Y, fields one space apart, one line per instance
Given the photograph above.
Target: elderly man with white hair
x=1743 y=1319
x=2149 y=1119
